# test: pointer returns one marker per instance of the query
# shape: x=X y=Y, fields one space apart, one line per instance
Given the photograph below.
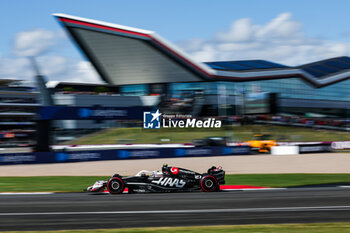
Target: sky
x=287 y=32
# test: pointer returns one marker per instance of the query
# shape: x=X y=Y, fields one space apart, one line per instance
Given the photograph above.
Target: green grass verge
x=237 y=133
x=78 y=183
x=270 y=228
x=286 y=180
x=47 y=183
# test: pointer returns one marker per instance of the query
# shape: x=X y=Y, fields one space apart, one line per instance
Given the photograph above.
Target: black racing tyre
x=115 y=185
x=209 y=184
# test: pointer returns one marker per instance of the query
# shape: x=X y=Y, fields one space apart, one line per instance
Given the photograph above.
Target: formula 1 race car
x=170 y=179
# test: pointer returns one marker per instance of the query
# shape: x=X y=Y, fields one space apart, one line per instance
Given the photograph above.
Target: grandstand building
x=93 y=95
x=18 y=107
x=139 y=62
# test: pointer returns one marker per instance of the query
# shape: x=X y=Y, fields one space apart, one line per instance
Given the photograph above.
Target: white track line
x=277 y=209
x=253 y=189
x=26 y=193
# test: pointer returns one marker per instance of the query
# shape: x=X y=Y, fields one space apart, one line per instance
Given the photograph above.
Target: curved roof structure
x=124 y=55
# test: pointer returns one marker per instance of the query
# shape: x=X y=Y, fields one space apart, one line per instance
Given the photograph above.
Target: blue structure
x=120 y=154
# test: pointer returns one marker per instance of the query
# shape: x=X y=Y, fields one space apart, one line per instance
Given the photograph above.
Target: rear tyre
x=115 y=185
x=209 y=184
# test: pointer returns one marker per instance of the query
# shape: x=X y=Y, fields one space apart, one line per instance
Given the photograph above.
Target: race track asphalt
x=86 y=211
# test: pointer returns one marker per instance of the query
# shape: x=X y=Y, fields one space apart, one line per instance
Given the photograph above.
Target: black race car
x=170 y=179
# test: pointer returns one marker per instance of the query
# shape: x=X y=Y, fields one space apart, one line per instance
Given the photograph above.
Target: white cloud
x=85 y=72
x=15 y=68
x=44 y=45
x=281 y=40
x=60 y=68
x=34 y=42
x=55 y=68
x=280 y=27
x=241 y=30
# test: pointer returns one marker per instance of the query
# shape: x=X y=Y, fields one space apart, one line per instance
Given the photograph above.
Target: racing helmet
x=165 y=168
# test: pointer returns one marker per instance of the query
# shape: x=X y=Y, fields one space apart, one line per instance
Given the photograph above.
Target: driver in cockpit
x=165 y=169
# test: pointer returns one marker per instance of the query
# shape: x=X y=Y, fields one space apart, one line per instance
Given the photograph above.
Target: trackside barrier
x=122 y=154
x=284 y=150
x=341 y=145
x=309 y=147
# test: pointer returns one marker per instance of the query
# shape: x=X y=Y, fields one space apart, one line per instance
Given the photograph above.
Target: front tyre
x=209 y=184
x=115 y=185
